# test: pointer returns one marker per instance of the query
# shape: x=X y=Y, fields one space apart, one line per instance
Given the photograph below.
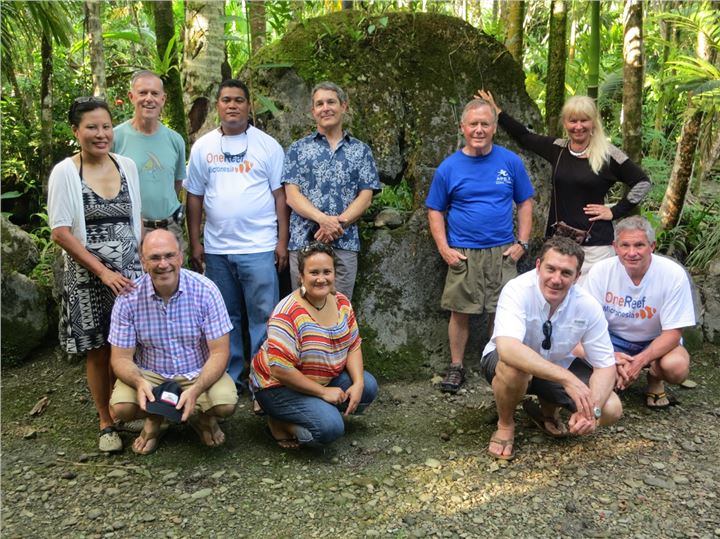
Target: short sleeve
x=216 y=321
x=122 y=324
x=438 y=196
x=282 y=342
x=368 y=174
x=197 y=173
x=275 y=166
x=291 y=168
x=59 y=206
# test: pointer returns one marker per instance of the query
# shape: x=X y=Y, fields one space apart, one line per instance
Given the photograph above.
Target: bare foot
x=502 y=444
x=149 y=439
x=207 y=428
x=283 y=433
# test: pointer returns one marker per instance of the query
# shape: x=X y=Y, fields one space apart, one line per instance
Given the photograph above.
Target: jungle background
x=415 y=465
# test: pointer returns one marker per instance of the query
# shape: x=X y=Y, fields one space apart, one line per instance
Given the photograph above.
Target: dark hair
x=564 y=246
x=84 y=104
x=233 y=83
x=313 y=249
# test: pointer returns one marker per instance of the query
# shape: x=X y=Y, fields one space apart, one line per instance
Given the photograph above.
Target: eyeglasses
x=156 y=259
x=232 y=157
x=547 y=333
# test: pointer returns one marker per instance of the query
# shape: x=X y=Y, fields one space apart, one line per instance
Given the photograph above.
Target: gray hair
x=145 y=73
x=635 y=222
x=331 y=87
x=476 y=104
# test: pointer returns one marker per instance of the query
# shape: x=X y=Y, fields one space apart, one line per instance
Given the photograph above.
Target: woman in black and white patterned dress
x=94 y=214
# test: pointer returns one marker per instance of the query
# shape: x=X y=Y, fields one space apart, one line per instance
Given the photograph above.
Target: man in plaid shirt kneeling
x=170 y=348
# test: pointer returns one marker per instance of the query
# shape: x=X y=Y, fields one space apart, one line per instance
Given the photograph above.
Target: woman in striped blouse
x=309 y=372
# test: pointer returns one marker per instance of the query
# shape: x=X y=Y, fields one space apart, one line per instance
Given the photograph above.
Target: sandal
x=109 y=440
x=454 y=378
x=651 y=400
x=532 y=409
x=503 y=444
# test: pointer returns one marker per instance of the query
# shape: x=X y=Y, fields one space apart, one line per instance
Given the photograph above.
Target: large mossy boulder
x=408 y=77
x=24 y=317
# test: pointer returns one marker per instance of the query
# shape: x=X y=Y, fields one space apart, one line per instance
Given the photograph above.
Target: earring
x=303 y=290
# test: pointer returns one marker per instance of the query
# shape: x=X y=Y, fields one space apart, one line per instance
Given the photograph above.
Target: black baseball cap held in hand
x=167 y=396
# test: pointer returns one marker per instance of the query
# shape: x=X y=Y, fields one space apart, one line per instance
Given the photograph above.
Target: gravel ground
x=413 y=466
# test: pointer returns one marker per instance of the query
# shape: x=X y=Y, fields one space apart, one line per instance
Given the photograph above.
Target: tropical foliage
x=681 y=73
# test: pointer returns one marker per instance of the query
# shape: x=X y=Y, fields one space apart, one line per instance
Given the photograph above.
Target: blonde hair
x=599 y=148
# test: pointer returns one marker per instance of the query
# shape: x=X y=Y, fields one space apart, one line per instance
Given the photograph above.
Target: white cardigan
x=65 y=203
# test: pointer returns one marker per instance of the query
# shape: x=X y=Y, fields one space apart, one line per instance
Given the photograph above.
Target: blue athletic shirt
x=478 y=195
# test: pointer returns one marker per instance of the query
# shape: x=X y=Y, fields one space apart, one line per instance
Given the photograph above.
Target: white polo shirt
x=639 y=313
x=522 y=310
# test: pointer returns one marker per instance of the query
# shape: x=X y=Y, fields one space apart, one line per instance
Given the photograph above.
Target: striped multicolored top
x=296 y=340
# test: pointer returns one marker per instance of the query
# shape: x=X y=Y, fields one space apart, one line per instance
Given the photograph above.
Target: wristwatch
x=523 y=244
x=597 y=412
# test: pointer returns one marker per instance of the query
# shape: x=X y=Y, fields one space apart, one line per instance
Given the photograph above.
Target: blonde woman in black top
x=585 y=167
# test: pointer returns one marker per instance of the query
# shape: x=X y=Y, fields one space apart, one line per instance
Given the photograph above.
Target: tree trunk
x=514 y=30
x=97 y=51
x=674 y=198
x=204 y=54
x=667 y=33
x=633 y=73
x=709 y=153
x=555 y=85
x=164 y=33
x=46 y=109
x=594 y=56
x=495 y=10
x=258 y=24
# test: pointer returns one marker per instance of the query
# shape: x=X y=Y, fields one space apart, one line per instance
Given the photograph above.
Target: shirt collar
x=316 y=135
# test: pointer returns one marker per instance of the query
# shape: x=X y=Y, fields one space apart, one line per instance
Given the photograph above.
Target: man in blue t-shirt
x=158 y=152
x=474 y=190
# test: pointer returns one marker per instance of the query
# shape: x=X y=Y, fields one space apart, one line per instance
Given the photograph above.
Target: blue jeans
x=249 y=286
x=317 y=421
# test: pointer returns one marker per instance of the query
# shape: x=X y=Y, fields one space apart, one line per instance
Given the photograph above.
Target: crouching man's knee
x=612 y=411
x=222 y=410
x=127 y=411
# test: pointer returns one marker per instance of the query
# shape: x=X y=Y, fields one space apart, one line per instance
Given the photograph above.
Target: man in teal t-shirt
x=158 y=152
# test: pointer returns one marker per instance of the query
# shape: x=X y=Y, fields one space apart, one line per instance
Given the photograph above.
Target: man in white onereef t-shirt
x=234 y=174
x=647 y=302
x=541 y=316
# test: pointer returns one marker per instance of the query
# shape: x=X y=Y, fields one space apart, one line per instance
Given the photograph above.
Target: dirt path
x=414 y=466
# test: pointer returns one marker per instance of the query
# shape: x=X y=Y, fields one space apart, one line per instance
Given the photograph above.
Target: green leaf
x=267 y=105
x=371 y=29
x=275 y=65
x=10 y=194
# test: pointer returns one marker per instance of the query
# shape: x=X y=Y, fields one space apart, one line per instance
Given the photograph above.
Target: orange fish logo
x=647 y=312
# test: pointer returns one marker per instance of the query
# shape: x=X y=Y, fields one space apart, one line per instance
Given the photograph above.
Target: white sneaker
x=110 y=441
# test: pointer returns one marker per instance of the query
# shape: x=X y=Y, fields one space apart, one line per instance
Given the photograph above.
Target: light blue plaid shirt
x=170 y=339
x=330 y=180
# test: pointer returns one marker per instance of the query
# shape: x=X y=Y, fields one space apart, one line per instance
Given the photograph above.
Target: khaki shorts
x=221 y=392
x=473 y=286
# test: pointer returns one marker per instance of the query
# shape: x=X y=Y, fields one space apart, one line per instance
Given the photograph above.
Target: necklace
x=577 y=154
x=321 y=307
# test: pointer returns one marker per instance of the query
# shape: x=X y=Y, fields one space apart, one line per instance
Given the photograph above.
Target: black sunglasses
x=547 y=333
x=89 y=99
x=232 y=157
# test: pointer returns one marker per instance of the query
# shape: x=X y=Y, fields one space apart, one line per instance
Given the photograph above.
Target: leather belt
x=163 y=223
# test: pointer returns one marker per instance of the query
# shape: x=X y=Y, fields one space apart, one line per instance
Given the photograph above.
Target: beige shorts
x=473 y=286
x=221 y=392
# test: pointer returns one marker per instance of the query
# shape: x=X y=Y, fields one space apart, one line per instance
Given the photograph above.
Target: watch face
x=597 y=411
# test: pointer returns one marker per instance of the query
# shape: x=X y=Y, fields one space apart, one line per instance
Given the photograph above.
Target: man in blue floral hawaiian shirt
x=329 y=180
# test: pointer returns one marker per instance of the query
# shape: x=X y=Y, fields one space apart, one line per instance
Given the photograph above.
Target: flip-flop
x=503 y=444
x=283 y=443
x=654 y=397
x=163 y=429
x=532 y=409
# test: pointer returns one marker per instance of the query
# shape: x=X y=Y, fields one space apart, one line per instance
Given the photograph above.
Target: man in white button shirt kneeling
x=541 y=317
